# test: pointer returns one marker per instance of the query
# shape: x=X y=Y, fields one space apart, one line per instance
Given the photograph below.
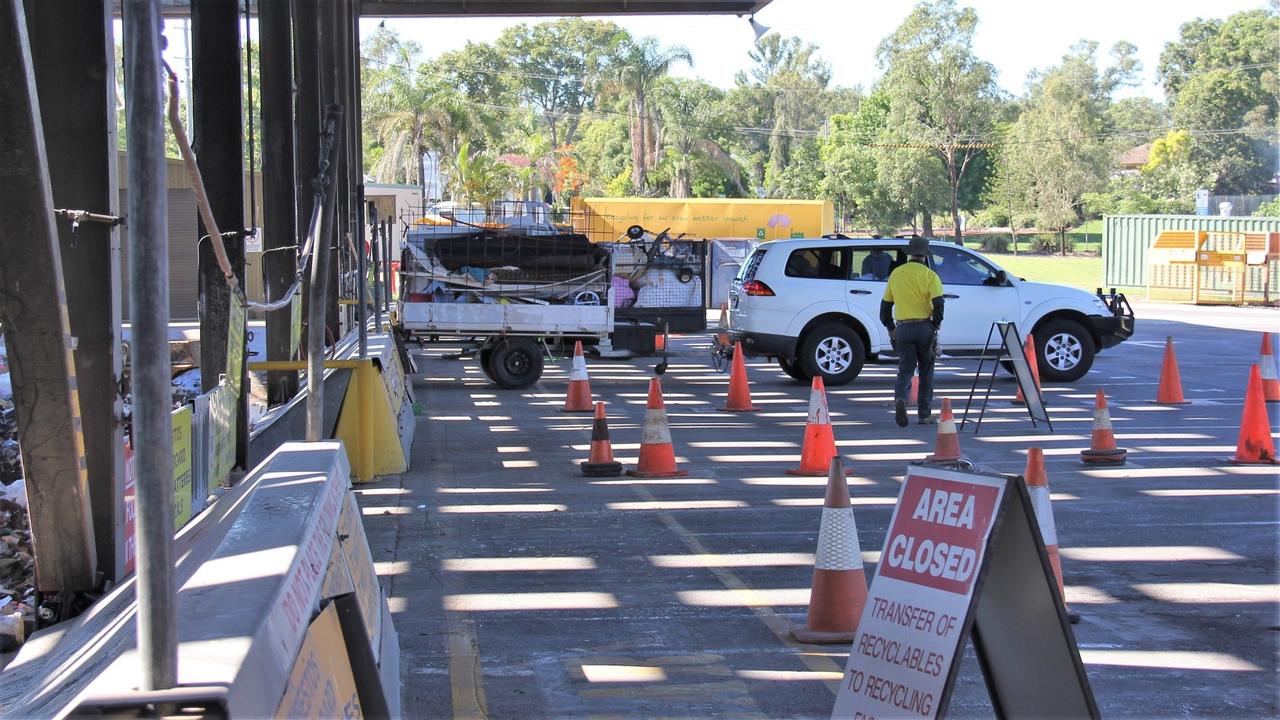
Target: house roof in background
x=1136 y=157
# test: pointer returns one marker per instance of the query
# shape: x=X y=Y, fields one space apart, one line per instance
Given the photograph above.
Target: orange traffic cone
x=819 y=442
x=1255 y=446
x=1270 y=370
x=601 y=462
x=913 y=399
x=1038 y=489
x=1029 y=349
x=579 y=397
x=1102 y=450
x=1170 y=390
x=839 y=588
x=947 y=447
x=659 y=342
x=722 y=337
x=657 y=456
x=739 y=399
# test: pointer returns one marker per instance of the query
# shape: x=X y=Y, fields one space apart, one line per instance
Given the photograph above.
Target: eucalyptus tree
x=637 y=68
x=560 y=68
x=781 y=96
x=693 y=124
x=1222 y=84
x=1056 y=150
x=942 y=96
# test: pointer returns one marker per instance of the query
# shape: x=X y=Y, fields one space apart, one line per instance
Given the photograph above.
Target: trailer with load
x=503 y=289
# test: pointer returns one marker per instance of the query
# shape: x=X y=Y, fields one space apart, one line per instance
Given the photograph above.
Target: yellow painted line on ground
x=778 y=624
x=466 y=682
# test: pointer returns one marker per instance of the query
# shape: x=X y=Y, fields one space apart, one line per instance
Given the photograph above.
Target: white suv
x=815 y=306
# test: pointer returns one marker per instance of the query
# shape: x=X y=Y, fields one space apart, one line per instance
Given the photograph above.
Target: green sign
x=235 y=343
x=760 y=233
x=222 y=434
x=182 y=476
x=797 y=234
x=295 y=325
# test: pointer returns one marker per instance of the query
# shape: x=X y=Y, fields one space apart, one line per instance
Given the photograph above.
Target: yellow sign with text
x=321 y=684
x=607 y=219
x=182 y=487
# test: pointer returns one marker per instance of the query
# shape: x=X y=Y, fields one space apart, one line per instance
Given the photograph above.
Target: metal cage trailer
x=504 y=291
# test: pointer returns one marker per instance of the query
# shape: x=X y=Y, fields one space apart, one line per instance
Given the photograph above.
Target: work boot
x=925 y=414
x=900 y=412
x=928 y=420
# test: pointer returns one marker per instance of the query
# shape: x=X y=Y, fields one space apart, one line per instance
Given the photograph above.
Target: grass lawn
x=1081 y=271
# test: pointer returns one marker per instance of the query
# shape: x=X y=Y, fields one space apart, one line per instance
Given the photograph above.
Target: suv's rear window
x=825 y=263
x=748 y=270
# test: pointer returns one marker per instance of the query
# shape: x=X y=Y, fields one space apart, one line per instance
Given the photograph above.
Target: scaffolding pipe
x=317 y=301
x=362 y=267
x=375 y=254
x=152 y=434
x=386 y=261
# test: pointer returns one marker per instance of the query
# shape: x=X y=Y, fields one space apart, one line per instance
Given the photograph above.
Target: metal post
x=71 y=47
x=149 y=352
x=37 y=332
x=362 y=292
x=280 y=226
x=375 y=254
x=386 y=260
x=317 y=305
x=217 y=134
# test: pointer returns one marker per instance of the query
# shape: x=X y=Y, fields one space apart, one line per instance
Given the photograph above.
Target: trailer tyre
x=486 y=363
x=516 y=363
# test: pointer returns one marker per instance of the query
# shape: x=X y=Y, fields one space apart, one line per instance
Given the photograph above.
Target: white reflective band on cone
x=655 y=430
x=818 y=414
x=579 y=369
x=838 y=547
x=1101 y=419
x=1044 y=513
x=947 y=427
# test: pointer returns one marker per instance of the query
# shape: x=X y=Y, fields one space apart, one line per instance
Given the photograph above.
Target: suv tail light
x=757 y=288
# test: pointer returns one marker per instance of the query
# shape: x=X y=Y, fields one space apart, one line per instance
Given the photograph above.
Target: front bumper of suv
x=757 y=344
x=1113 y=329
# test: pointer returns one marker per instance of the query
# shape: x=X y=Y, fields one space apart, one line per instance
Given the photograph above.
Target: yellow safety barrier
x=376 y=422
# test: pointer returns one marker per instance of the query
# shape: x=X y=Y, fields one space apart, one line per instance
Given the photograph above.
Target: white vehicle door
x=974 y=297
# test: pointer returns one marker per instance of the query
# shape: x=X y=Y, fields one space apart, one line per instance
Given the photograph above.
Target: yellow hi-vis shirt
x=912 y=288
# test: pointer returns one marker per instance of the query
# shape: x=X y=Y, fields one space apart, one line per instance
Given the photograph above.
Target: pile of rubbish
x=17 y=566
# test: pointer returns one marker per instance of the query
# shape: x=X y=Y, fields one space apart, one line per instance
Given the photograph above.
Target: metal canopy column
x=306 y=122
x=72 y=48
x=218 y=143
x=37 y=332
x=280 y=228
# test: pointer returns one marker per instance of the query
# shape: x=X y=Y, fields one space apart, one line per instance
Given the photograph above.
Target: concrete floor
x=522 y=589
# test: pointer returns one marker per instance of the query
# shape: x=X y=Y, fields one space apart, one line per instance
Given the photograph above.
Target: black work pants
x=914 y=343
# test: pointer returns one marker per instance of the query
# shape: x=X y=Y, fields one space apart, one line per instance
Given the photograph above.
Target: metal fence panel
x=1126 y=238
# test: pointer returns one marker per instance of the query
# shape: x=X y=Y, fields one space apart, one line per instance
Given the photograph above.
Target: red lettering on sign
x=937 y=543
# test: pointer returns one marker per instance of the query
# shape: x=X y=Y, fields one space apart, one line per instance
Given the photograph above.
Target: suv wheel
x=792 y=368
x=1064 y=350
x=833 y=351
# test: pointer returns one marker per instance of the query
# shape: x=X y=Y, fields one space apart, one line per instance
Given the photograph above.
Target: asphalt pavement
x=522 y=589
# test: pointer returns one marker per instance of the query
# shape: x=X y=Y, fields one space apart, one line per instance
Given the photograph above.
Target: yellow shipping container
x=607 y=219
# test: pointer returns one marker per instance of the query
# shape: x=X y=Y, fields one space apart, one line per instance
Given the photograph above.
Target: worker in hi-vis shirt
x=912 y=312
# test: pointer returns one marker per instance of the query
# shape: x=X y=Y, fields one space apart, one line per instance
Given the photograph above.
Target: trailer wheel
x=486 y=363
x=516 y=363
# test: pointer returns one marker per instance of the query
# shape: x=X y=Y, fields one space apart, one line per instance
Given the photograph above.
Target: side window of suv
x=875 y=263
x=956 y=267
x=828 y=263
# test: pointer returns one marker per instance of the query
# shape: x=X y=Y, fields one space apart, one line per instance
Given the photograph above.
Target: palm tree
x=479 y=177
x=640 y=66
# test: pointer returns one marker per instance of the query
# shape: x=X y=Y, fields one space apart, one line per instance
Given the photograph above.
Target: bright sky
x=1016 y=36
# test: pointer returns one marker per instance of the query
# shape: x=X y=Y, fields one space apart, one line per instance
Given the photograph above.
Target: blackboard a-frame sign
x=963 y=558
